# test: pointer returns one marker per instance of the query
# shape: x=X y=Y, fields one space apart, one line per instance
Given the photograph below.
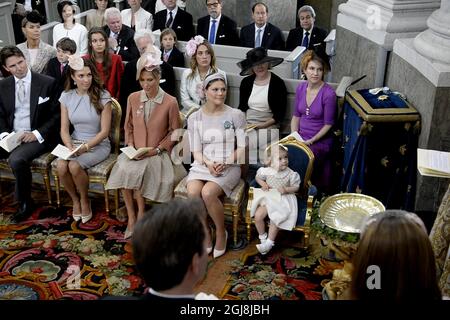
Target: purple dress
x=321 y=112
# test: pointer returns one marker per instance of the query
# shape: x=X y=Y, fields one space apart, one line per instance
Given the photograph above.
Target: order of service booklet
x=132 y=153
x=11 y=141
x=63 y=152
x=433 y=163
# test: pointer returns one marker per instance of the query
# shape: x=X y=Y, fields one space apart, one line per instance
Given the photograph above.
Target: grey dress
x=86 y=123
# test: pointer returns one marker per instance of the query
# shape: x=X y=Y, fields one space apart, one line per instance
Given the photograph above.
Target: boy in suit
x=57 y=66
x=27 y=103
x=169 y=51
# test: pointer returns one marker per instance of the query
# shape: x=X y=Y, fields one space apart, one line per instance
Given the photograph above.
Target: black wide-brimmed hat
x=255 y=57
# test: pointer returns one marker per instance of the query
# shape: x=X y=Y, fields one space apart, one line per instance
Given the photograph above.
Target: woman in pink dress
x=314 y=115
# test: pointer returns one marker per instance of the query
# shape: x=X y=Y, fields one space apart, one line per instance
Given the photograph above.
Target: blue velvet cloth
x=380 y=158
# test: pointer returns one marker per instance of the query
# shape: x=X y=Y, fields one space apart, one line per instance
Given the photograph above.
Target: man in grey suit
x=261 y=33
x=28 y=104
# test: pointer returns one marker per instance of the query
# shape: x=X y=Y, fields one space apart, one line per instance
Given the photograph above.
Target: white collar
x=174 y=11
x=217 y=19
x=262 y=28
x=26 y=79
x=310 y=31
x=172 y=296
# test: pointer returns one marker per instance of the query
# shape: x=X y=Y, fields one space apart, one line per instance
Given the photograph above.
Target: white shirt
x=142 y=19
x=22 y=121
x=78 y=34
x=174 y=13
x=262 y=32
x=309 y=35
x=217 y=26
x=161 y=6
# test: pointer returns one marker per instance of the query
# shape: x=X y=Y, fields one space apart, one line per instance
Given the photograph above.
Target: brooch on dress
x=228 y=124
x=140 y=110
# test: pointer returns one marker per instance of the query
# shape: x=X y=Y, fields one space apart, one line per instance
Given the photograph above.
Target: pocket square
x=178 y=27
x=222 y=36
x=42 y=100
x=125 y=48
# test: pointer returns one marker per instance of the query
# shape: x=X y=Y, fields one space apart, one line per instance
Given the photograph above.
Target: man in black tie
x=307 y=35
x=216 y=27
x=175 y=18
x=27 y=104
x=120 y=36
x=261 y=33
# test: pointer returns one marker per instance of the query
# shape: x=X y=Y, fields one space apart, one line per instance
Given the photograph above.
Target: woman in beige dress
x=97 y=17
x=152 y=116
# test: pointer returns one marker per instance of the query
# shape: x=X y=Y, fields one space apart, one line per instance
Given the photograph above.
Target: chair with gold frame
x=40 y=165
x=99 y=173
x=301 y=160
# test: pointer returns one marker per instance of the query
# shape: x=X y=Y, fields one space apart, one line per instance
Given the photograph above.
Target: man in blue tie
x=261 y=33
x=216 y=27
x=307 y=35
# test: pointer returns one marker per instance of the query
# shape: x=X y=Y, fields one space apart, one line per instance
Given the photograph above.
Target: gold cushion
x=233 y=200
x=41 y=162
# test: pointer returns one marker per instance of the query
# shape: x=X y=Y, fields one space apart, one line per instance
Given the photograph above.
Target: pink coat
x=163 y=120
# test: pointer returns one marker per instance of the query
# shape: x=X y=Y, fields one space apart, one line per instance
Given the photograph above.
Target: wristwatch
x=158 y=151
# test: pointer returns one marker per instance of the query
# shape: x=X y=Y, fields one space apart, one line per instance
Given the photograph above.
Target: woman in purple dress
x=314 y=115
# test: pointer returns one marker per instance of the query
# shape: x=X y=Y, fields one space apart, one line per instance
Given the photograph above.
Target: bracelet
x=158 y=151
x=87 y=147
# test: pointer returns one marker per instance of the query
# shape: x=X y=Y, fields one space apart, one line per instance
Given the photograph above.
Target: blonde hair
x=194 y=63
x=270 y=153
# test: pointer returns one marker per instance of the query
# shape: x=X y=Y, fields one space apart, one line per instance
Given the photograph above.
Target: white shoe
x=265 y=246
x=218 y=253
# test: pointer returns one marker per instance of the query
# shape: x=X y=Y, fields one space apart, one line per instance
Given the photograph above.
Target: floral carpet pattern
x=283 y=274
x=50 y=256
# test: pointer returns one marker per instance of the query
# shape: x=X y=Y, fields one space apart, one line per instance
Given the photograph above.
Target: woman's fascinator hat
x=148 y=61
x=191 y=45
x=75 y=62
x=255 y=57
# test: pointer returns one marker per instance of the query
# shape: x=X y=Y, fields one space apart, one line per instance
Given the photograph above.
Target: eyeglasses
x=212 y=5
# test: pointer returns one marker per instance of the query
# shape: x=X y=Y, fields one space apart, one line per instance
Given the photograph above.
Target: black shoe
x=25 y=210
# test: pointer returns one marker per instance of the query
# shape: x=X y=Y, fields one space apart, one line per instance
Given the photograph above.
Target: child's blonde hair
x=270 y=153
x=167 y=31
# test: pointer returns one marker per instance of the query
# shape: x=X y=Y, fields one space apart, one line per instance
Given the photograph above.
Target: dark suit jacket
x=128 y=49
x=272 y=37
x=44 y=117
x=176 y=58
x=277 y=96
x=53 y=70
x=149 y=5
x=129 y=84
x=295 y=38
x=182 y=24
x=226 y=31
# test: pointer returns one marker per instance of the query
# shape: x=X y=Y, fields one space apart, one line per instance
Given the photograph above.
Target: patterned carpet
x=286 y=273
x=50 y=256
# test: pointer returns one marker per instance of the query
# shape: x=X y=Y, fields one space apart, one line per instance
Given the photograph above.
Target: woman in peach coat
x=152 y=116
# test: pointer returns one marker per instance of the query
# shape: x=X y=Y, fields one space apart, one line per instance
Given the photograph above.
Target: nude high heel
x=218 y=253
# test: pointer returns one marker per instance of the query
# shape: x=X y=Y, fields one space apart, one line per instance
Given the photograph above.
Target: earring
x=74 y=83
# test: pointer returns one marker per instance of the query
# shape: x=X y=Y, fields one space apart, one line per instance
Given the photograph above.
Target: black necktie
x=169 y=22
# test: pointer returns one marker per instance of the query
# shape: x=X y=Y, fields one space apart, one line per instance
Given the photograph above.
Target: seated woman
x=69 y=28
x=151 y=118
x=36 y=52
x=203 y=63
x=97 y=17
x=391 y=244
x=109 y=65
x=213 y=132
x=262 y=97
x=88 y=108
x=314 y=115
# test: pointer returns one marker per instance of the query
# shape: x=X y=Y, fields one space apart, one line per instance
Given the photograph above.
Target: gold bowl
x=346 y=211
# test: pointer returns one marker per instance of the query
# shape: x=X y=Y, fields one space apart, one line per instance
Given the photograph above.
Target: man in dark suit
x=129 y=84
x=216 y=27
x=173 y=17
x=173 y=261
x=261 y=33
x=27 y=103
x=307 y=35
x=120 y=36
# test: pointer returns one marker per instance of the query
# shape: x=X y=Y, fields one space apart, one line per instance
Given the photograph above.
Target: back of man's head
x=166 y=239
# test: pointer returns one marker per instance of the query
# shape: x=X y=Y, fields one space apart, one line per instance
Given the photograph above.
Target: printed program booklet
x=63 y=152
x=11 y=141
x=132 y=153
x=433 y=163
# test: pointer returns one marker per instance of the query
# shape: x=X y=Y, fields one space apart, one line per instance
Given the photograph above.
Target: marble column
x=420 y=68
x=366 y=30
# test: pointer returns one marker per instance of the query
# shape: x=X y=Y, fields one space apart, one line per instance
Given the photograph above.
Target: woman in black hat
x=263 y=98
